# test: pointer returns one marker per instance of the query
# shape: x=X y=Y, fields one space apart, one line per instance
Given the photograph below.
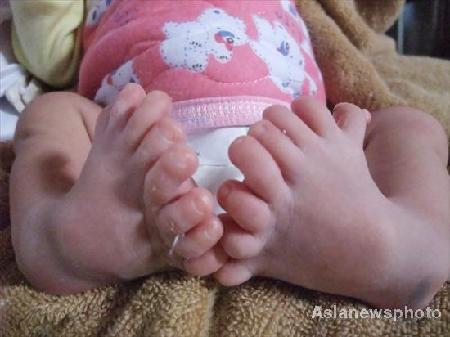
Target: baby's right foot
x=308 y=211
x=134 y=209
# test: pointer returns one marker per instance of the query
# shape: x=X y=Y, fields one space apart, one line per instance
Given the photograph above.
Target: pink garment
x=222 y=62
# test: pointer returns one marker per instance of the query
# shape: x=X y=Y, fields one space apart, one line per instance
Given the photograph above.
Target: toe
x=281 y=148
x=289 y=123
x=247 y=210
x=352 y=120
x=126 y=102
x=183 y=214
x=170 y=177
x=200 y=239
x=153 y=107
x=208 y=263
x=233 y=273
x=158 y=140
x=238 y=243
x=316 y=115
x=261 y=172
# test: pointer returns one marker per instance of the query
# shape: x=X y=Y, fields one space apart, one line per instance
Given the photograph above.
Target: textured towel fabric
x=358 y=66
x=223 y=57
x=361 y=66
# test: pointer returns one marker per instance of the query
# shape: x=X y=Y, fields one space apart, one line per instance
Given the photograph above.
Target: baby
x=324 y=200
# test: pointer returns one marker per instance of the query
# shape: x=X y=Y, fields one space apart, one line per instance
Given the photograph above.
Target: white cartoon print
x=305 y=45
x=96 y=9
x=290 y=8
x=283 y=57
x=189 y=44
x=114 y=82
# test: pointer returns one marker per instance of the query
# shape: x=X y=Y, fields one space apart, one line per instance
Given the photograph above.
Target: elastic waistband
x=217 y=112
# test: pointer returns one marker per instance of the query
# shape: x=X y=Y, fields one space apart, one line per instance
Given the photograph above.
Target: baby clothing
x=250 y=52
x=222 y=62
x=214 y=166
x=46 y=38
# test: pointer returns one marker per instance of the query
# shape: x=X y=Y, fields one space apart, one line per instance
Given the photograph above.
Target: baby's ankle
x=408 y=275
x=401 y=291
x=34 y=251
x=44 y=246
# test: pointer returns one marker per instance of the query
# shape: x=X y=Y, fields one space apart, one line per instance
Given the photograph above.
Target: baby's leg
x=310 y=213
x=99 y=195
x=407 y=154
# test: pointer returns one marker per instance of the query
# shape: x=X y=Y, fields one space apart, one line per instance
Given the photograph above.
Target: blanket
x=359 y=65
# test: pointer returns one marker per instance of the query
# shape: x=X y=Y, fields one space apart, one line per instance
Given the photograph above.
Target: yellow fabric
x=46 y=38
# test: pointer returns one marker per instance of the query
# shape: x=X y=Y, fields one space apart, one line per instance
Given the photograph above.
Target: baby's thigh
x=63 y=116
x=52 y=141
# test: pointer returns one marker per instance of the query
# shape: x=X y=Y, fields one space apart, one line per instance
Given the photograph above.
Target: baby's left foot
x=308 y=211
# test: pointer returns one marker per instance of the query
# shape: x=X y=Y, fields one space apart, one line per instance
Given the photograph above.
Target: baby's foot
x=133 y=197
x=308 y=210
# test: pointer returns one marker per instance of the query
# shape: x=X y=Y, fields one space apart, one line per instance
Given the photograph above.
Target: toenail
x=259 y=128
x=182 y=161
x=239 y=140
x=176 y=130
x=210 y=232
x=119 y=106
x=343 y=105
x=201 y=203
x=225 y=191
x=166 y=135
x=159 y=94
x=339 y=120
x=337 y=106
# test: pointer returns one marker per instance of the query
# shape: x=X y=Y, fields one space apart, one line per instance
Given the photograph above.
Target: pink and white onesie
x=222 y=62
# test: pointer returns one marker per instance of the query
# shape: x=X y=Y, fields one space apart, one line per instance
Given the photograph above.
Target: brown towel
x=359 y=66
